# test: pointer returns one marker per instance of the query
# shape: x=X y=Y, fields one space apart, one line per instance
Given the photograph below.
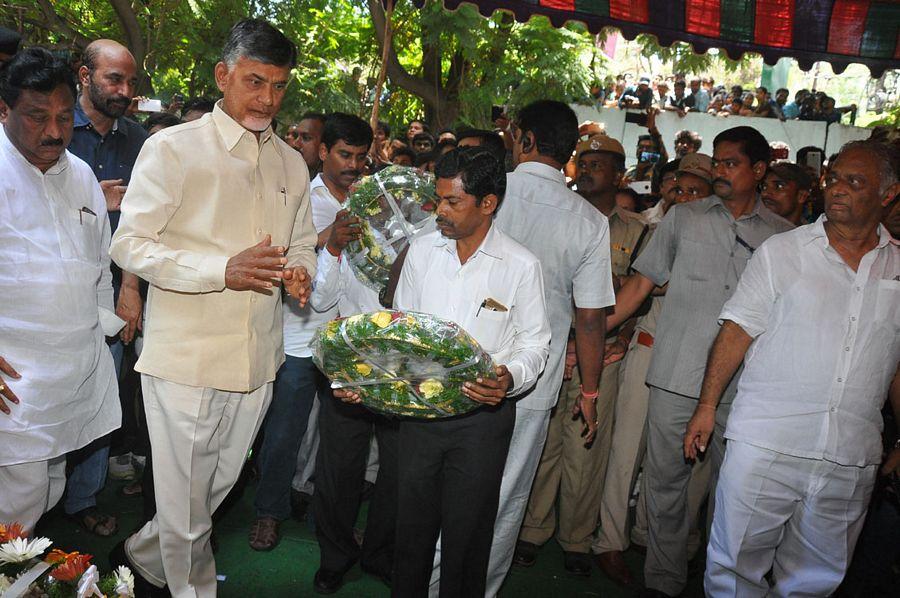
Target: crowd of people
x=717 y=333
x=682 y=94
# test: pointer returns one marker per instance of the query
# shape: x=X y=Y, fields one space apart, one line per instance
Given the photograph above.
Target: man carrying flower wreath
x=450 y=469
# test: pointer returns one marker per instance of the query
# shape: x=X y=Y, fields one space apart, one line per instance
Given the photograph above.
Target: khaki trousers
x=573 y=470
x=28 y=490
x=628 y=447
x=199 y=438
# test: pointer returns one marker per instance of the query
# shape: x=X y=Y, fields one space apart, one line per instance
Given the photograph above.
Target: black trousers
x=344 y=434
x=449 y=472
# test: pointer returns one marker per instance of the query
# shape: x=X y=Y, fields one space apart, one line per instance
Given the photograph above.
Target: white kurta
x=56 y=289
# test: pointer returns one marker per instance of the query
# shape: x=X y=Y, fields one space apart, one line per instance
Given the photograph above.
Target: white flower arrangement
x=20 y=550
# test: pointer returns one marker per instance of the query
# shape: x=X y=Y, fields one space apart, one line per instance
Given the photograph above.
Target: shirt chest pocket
x=887 y=303
x=490 y=329
x=80 y=236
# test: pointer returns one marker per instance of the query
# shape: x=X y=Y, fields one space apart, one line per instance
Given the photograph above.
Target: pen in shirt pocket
x=85 y=210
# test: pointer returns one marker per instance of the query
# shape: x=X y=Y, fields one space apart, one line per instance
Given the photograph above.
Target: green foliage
x=339 y=59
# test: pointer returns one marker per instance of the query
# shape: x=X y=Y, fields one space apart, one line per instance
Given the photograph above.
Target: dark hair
x=648 y=138
x=680 y=83
x=765 y=89
x=258 y=40
x=752 y=143
x=481 y=173
x=34 y=69
x=350 y=129
x=784 y=89
x=693 y=136
x=423 y=137
x=788 y=171
x=200 y=104
x=317 y=116
x=9 y=41
x=426 y=157
x=490 y=141
x=447 y=130
x=404 y=151
x=554 y=126
x=421 y=122
x=662 y=170
x=443 y=145
x=383 y=126
x=163 y=119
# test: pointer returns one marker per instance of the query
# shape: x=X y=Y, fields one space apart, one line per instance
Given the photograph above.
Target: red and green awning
x=838 y=31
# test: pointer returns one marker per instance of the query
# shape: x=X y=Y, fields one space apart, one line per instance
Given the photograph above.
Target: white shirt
x=300 y=324
x=827 y=343
x=571 y=239
x=434 y=282
x=654 y=215
x=55 y=298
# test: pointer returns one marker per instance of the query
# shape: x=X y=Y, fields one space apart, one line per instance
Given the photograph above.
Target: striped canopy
x=838 y=31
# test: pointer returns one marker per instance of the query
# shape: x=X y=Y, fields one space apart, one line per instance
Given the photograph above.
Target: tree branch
x=56 y=23
x=399 y=75
x=134 y=37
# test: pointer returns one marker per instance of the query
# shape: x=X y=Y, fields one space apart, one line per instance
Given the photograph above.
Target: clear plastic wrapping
x=395 y=205
x=402 y=363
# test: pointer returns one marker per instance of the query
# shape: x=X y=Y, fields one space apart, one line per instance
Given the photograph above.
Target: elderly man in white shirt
x=58 y=389
x=450 y=470
x=816 y=319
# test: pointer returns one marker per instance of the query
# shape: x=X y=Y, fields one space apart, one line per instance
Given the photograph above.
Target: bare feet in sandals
x=95 y=522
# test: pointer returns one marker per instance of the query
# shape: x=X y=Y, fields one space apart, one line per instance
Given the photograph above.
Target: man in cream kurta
x=221 y=186
x=56 y=300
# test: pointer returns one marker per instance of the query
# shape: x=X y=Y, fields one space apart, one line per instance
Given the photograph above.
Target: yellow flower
x=399 y=386
x=375 y=252
x=381 y=318
x=431 y=388
x=364 y=368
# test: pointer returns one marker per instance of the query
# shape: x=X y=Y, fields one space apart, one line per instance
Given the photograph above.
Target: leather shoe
x=613 y=565
x=327 y=582
x=578 y=563
x=142 y=587
x=525 y=554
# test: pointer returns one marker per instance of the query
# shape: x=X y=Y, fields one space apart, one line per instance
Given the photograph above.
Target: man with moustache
x=345 y=430
x=305 y=137
x=699 y=249
x=567 y=466
x=692 y=181
x=217 y=215
x=786 y=189
x=58 y=388
x=816 y=322
x=110 y=144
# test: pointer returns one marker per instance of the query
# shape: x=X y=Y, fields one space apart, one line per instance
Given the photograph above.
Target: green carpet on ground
x=288 y=570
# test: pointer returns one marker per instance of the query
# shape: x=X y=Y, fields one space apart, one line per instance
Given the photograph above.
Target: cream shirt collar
x=232 y=131
x=490 y=245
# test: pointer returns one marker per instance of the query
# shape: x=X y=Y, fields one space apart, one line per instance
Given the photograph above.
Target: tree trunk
x=441 y=104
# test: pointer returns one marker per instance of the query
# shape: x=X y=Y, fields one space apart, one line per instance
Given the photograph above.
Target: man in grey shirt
x=700 y=250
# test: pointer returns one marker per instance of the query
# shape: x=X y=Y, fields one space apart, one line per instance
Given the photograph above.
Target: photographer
x=650 y=151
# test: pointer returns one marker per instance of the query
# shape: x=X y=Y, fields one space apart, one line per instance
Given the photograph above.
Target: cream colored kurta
x=55 y=302
x=201 y=193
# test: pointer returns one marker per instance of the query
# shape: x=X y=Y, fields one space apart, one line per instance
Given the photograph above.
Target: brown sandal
x=264 y=534
x=95 y=522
